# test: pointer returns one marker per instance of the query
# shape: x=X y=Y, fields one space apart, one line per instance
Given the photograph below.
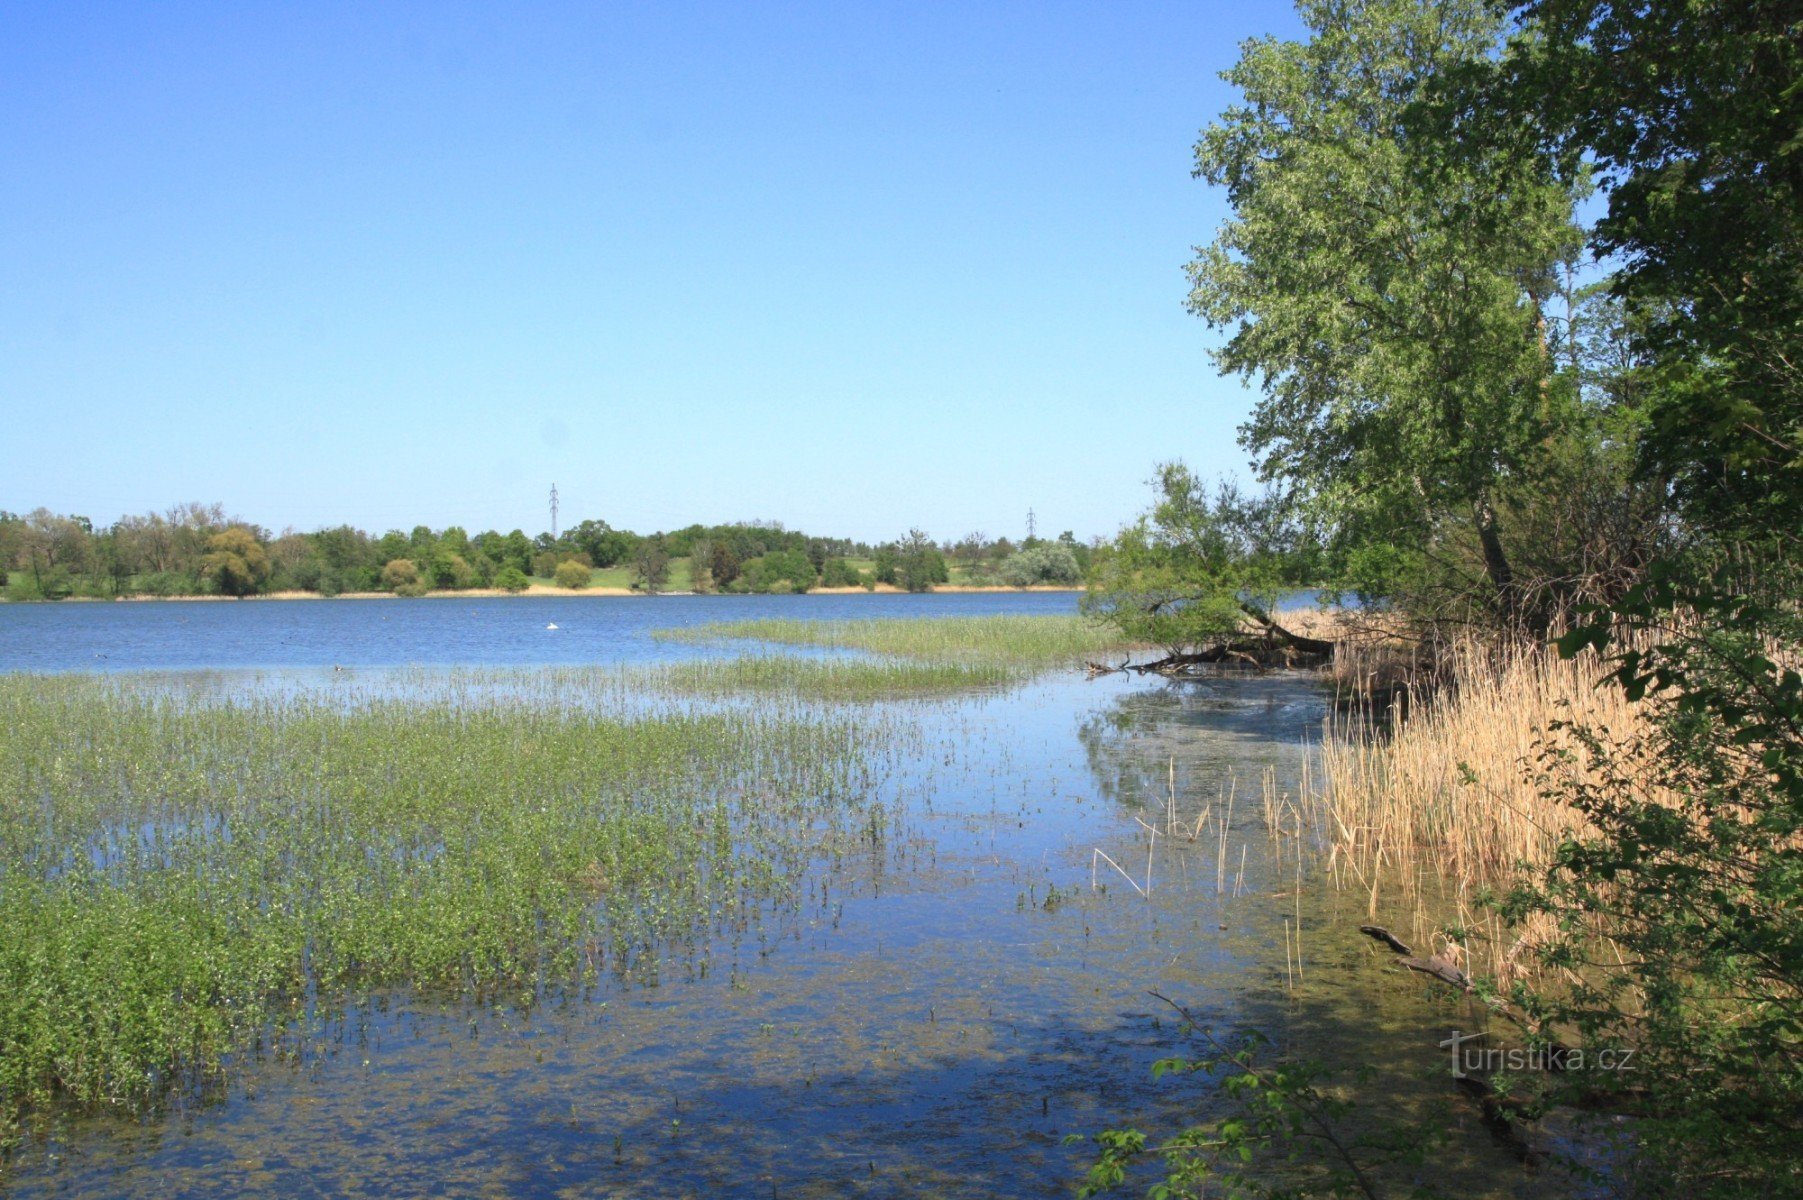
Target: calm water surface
x=930 y=1021
x=430 y=631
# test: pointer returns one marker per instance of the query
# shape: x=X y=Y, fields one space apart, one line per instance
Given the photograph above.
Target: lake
x=932 y=1017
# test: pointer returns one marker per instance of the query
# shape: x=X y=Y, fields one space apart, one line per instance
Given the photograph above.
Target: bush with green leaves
x=1044 y=564
x=1679 y=908
x=573 y=575
x=511 y=579
x=451 y=571
x=401 y=576
x=789 y=568
x=837 y=573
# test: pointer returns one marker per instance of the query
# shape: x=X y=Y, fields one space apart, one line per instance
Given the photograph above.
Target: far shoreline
x=540 y=591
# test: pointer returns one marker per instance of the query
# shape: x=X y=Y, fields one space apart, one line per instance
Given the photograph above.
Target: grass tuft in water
x=834 y=679
x=1024 y=640
x=183 y=878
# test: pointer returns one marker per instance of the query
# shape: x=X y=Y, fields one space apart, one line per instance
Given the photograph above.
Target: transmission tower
x=1031 y=525
x=554 y=512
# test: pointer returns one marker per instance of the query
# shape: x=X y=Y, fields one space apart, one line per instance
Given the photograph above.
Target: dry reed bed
x=1425 y=811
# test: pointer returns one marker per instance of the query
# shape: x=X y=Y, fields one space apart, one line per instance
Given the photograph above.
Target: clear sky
x=854 y=267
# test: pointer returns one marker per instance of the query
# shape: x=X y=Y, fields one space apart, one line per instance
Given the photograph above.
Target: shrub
x=790 y=567
x=401 y=573
x=573 y=575
x=837 y=573
x=512 y=579
x=1041 y=565
x=451 y=571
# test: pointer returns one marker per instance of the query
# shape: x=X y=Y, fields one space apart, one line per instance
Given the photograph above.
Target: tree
x=1690 y=110
x=779 y=571
x=725 y=565
x=235 y=562
x=650 y=565
x=401 y=576
x=838 y=573
x=918 y=563
x=450 y=571
x=701 y=564
x=885 y=568
x=512 y=579
x=1043 y=564
x=573 y=574
x=1199 y=570
x=603 y=544
x=1386 y=292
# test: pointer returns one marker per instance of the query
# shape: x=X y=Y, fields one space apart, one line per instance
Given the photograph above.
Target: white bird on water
x=553 y=625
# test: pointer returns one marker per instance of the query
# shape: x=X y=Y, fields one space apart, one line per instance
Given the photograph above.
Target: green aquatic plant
x=185 y=875
x=1024 y=640
x=834 y=679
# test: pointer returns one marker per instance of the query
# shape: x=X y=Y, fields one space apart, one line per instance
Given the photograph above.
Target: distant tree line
x=199 y=550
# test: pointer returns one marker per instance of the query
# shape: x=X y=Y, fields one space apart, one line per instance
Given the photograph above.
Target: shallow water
x=934 y=1017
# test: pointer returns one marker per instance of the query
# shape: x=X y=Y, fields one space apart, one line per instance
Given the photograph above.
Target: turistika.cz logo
x=1469 y=1057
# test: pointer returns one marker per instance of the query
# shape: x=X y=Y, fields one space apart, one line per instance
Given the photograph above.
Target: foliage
x=601 y=543
x=1692 y=870
x=1196 y=567
x=886 y=566
x=1690 y=109
x=701 y=565
x=1049 y=564
x=1386 y=291
x=449 y=570
x=837 y=573
x=573 y=574
x=236 y=562
x=650 y=565
x=512 y=579
x=785 y=570
x=918 y=563
x=725 y=565
x=400 y=573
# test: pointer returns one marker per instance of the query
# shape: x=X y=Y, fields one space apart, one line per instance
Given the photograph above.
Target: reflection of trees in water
x=1215 y=729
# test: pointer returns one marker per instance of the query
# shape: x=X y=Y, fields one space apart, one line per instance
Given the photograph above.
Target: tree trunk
x=1307 y=645
x=1517 y=611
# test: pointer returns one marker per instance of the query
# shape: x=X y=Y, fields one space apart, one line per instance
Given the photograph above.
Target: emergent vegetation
x=188 y=878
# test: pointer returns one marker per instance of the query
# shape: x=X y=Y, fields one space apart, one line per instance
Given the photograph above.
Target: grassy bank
x=182 y=879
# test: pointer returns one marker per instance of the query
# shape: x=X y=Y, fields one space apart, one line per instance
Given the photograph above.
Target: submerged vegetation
x=186 y=877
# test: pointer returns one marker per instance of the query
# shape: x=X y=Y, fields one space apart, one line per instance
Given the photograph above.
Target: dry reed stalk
x=1443 y=802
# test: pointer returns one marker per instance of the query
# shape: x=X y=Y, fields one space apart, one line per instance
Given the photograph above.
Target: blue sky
x=851 y=267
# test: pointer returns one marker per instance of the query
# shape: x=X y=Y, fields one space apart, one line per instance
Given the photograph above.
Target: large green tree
x=236 y=561
x=1692 y=112
x=1386 y=292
